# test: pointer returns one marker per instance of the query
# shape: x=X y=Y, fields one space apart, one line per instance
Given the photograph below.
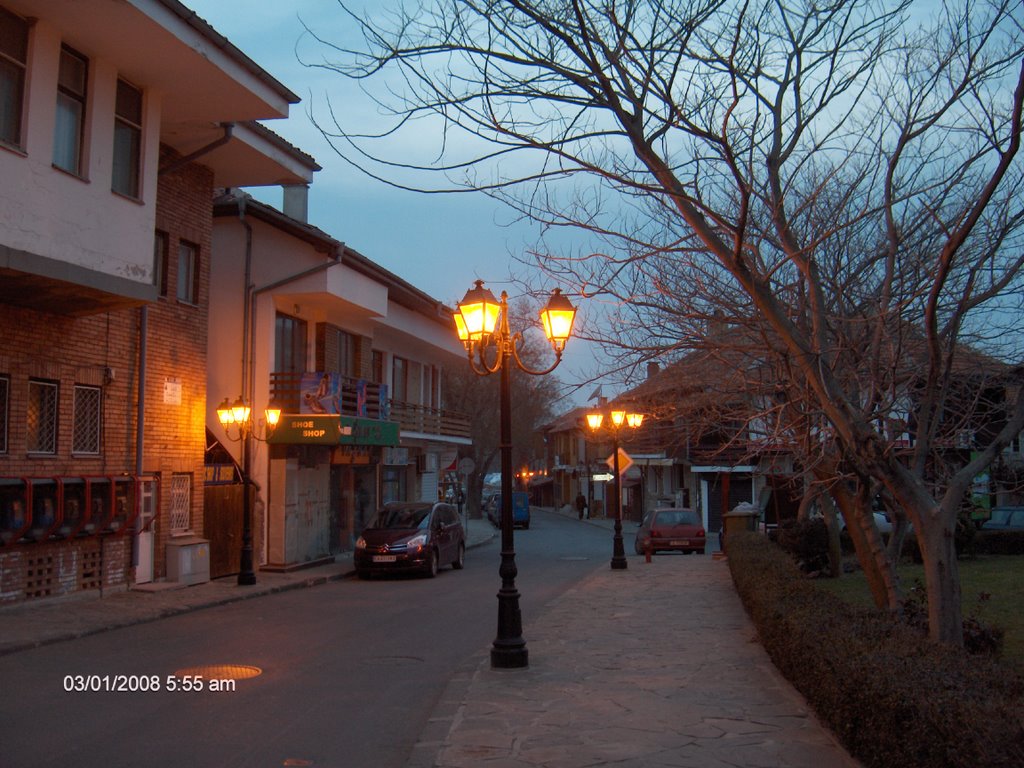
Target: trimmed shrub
x=806 y=541
x=891 y=696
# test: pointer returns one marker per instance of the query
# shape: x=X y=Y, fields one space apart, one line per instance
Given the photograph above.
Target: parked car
x=881 y=522
x=416 y=537
x=491 y=510
x=520 y=510
x=1005 y=518
x=671 y=529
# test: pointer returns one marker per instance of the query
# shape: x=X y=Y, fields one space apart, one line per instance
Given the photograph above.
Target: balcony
x=369 y=400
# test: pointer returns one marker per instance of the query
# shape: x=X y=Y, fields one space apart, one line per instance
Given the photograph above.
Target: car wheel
x=431 y=568
x=460 y=558
x=364 y=575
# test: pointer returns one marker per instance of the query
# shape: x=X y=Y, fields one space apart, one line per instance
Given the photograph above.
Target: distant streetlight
x=618 y=419
x=482 y=323
x=236 y=416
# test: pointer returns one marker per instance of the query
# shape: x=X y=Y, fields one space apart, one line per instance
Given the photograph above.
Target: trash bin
x=743 y=517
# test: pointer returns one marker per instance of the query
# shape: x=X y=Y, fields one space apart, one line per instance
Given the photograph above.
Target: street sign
x=625 y=461
x=605 y=478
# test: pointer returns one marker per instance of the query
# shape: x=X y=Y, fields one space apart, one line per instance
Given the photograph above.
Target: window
x=127 y=140
x=160 y=263
x=88 y=412
x=13 y=58
x=69 y=127
x=41 y=426
x=377 y=367
x=399 y=379
x=289 y=344
x=5 y=390
x=181 y=502
x=188 y=272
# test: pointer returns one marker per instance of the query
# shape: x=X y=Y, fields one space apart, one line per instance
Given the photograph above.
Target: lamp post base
x=510 y=657
x=619 y=564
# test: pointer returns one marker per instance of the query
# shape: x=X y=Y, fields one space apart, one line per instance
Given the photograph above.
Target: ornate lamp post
x=482 y=323
x=236 y=416
x=617 y=420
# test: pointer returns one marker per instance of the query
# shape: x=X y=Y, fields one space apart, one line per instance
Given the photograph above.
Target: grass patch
x=998 y=576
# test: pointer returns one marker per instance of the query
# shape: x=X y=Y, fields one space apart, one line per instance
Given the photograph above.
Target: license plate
x=385 y=558
x=680 y=542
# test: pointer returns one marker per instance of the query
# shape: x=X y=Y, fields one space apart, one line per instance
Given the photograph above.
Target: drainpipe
x=140 y=413
x=181 y=162
x=250 y=328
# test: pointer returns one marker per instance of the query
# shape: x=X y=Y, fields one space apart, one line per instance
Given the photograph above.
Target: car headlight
x=417 y=541
x=360 y=543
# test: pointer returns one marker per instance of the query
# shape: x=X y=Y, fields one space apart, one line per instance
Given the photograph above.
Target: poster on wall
x=320 y=393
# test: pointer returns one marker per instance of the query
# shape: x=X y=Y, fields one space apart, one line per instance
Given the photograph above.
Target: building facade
x=117 y=121
x=351 y=353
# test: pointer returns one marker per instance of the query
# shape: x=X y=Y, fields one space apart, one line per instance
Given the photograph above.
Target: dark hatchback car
x=671 y=529
x=411 y=537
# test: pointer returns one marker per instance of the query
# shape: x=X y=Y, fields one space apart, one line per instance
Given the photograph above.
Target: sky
x=439 y=243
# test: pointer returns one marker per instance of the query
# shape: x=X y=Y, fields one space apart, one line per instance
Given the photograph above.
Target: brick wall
x=103 y=350
x=52 y=569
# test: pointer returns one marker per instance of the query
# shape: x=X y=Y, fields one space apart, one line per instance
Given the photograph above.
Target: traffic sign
x=625 y=461
x=605 y=478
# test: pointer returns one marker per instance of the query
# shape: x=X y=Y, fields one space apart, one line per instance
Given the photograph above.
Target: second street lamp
x=237 y=416
x=618 y=419
x=482 y=322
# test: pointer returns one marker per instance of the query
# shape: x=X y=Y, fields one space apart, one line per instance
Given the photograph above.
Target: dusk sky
x=439 y=243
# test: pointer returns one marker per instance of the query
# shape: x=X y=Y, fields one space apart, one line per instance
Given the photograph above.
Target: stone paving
x=657 y=665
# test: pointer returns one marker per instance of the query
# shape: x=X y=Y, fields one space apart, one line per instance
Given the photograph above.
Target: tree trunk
x=835 y=549
x=867 y=544
x=937 y=542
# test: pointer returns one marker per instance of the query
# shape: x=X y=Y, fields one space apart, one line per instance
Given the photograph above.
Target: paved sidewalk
x=654 y=666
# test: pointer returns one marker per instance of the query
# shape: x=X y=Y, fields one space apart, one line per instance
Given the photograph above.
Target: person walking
x=581 y=504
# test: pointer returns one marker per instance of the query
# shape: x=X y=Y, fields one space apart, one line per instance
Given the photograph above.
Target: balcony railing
x=369 y=400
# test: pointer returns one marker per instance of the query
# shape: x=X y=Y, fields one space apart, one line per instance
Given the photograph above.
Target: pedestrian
x=581 y=504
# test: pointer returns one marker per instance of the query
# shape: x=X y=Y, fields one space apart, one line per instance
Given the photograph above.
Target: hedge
x=891 y=696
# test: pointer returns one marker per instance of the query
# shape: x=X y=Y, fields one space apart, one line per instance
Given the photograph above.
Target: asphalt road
x=349 y=671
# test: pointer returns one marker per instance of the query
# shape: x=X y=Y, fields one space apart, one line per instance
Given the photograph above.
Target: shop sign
x=356 y=431
x=331 y=429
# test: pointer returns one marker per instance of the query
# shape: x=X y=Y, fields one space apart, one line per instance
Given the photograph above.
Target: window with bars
x=5 y=396
x=181 y=502
x=41 y=417
x=88 y=414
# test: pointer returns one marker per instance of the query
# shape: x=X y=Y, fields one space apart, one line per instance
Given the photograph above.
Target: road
x=349 y=671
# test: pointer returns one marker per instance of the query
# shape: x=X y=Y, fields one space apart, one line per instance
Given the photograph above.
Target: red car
x=411 y=537
x=671 y=529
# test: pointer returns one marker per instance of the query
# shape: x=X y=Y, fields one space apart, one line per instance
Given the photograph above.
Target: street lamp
x=237 y=415
x=482 y=322
x=618 y=418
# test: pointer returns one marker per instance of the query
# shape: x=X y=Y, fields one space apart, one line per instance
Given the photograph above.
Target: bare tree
x=846 y=172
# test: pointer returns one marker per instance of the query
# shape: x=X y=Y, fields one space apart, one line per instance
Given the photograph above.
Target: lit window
x=127 y=140
x=70 y=124
x=88 y=412
x=41 y=417
x=13 y=58
x=188 y=272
